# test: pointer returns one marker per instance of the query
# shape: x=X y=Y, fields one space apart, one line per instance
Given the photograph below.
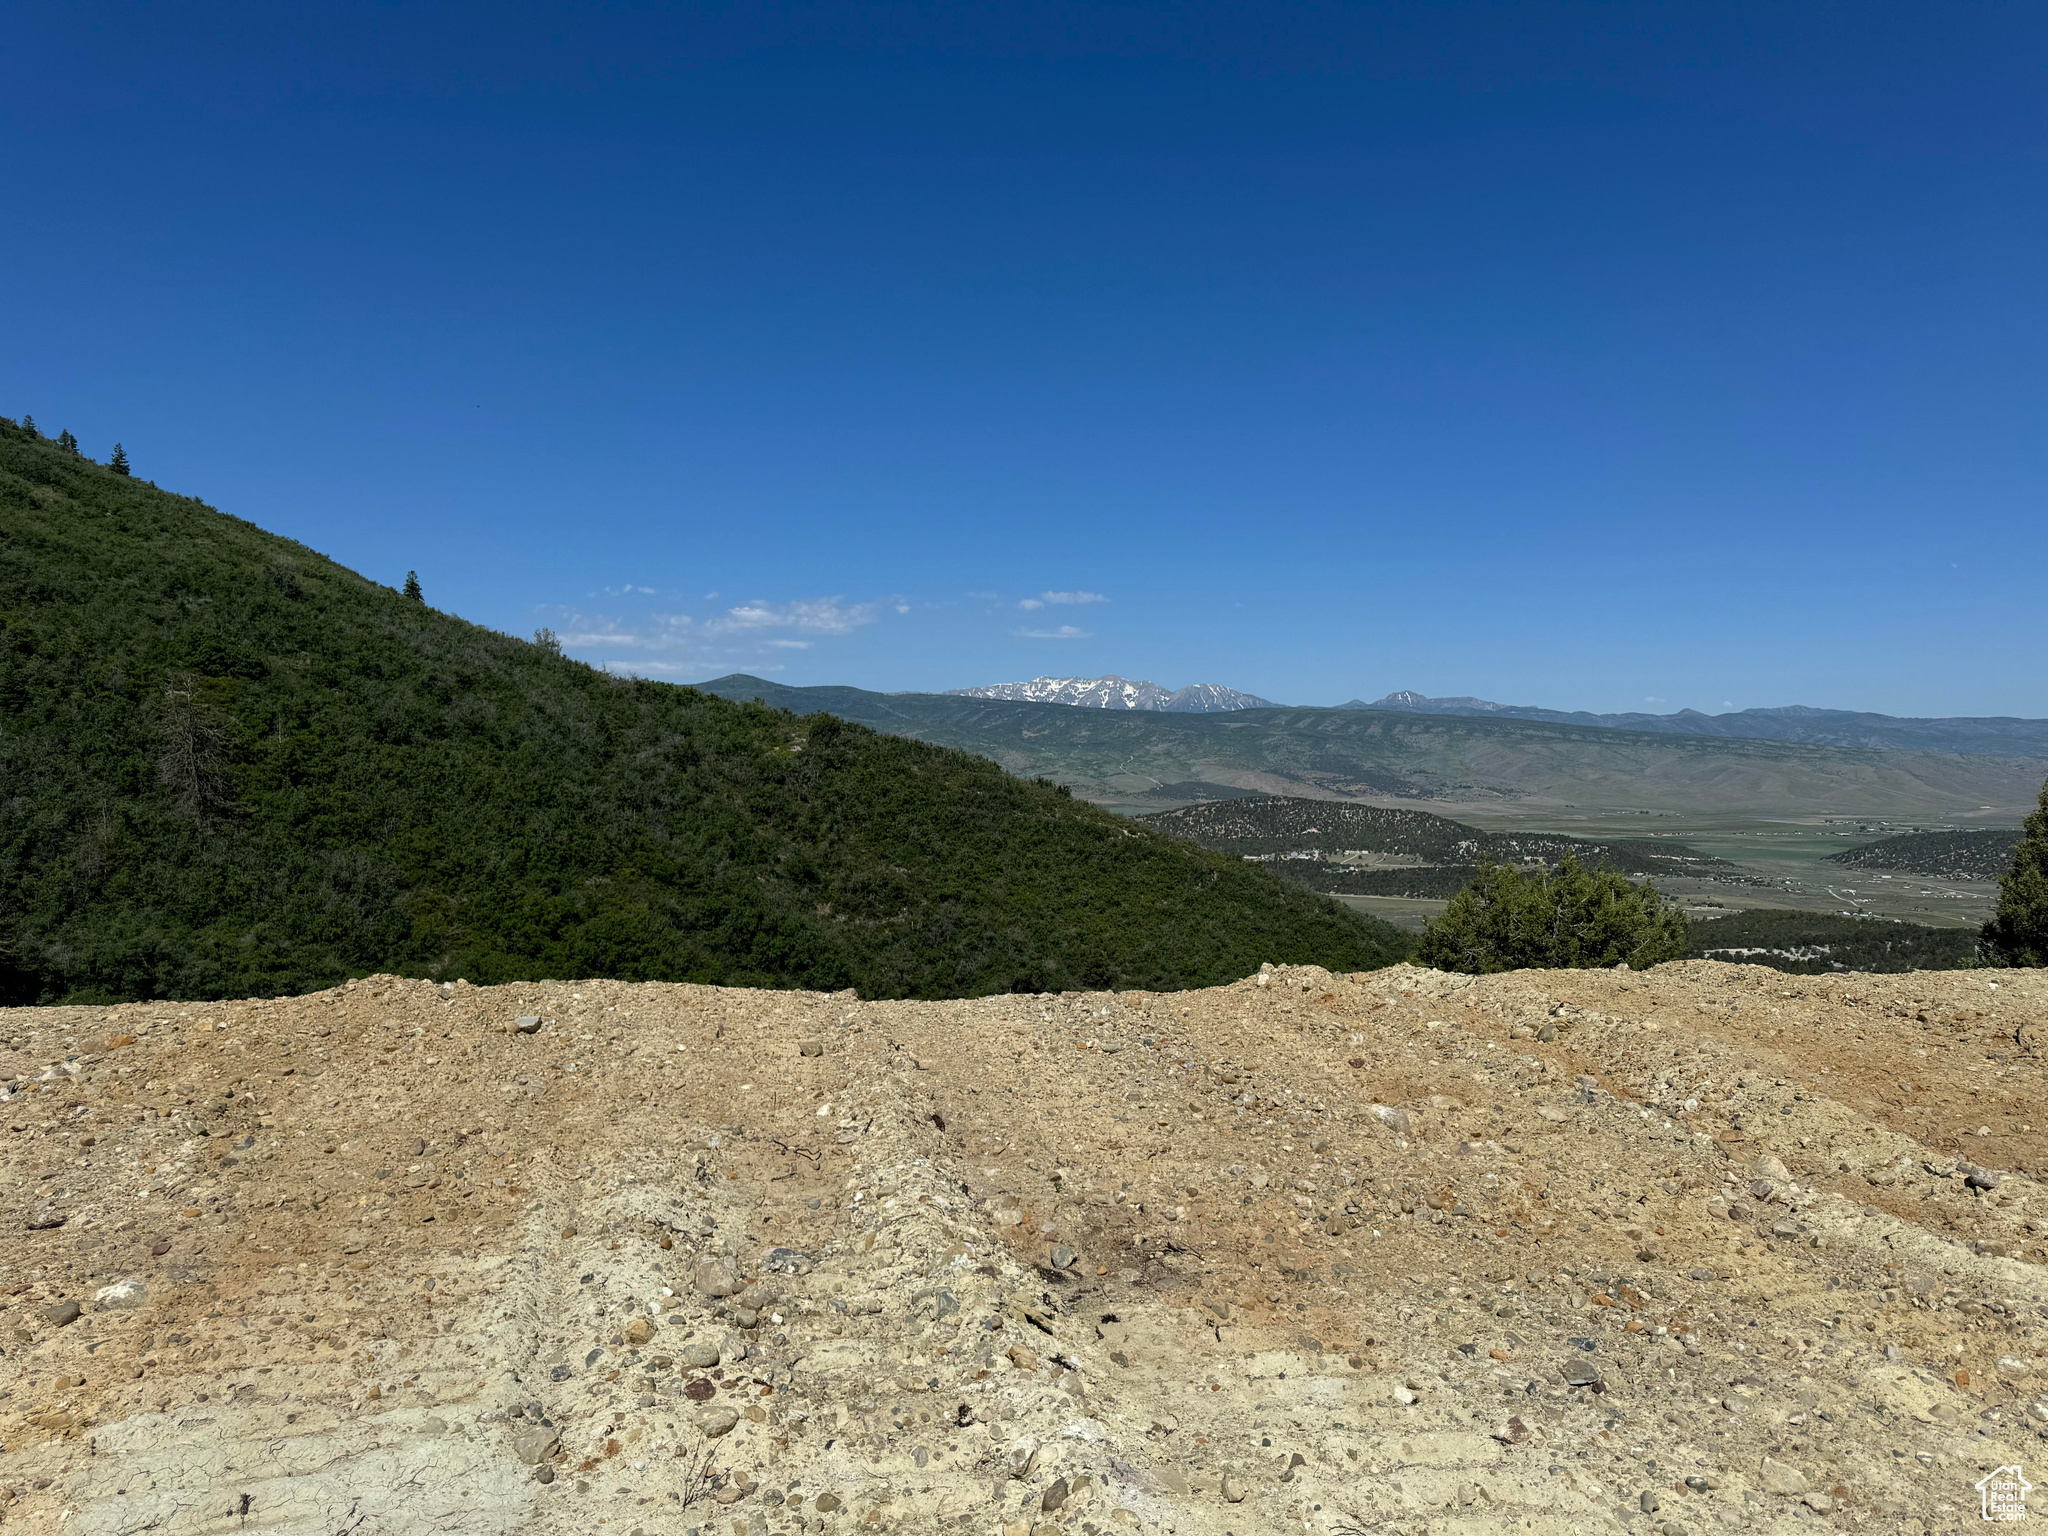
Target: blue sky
x=1598 y=356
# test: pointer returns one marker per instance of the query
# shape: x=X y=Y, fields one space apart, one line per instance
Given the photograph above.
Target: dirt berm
x=1707 y=1247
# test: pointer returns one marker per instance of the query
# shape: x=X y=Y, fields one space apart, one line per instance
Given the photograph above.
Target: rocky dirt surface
x=1706 y=1247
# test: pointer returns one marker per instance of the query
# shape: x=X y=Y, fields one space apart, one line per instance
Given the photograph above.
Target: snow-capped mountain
x=1113 y=692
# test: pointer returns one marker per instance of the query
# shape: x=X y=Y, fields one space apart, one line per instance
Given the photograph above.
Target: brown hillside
x=1680 y=1251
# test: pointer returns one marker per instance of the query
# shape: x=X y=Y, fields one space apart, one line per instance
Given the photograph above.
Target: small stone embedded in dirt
x=1781 y=1478
x=527 y=1024
x=121 y=1295
x=1054 y=1496
x=713 y=1423
x=532 y=1445
x=828 y=1503
x=701 y=1390
x=700 y=1355
x=637 y=1332
x=1392 y=1117
x=715 y=1276
x=160 y=1247
x=811 y=1048
x=63 y=1313
x=1062 y=1257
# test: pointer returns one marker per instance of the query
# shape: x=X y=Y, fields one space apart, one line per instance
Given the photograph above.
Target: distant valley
x=1495 y=768
x=1404 y=864
x=1368 y=850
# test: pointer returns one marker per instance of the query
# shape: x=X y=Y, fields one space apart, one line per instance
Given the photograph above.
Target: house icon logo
x=2004 y=1492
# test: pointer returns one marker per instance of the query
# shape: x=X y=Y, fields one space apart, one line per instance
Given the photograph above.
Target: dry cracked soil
x=1706 y=1247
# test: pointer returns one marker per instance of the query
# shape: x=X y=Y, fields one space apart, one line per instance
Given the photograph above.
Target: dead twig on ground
x=700 y=1474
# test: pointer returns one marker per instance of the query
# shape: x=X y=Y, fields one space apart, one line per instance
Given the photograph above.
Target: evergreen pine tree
x=2018 y=932
x=412 y=587
x=66 y=441
x=28 y=425
x=119 y=462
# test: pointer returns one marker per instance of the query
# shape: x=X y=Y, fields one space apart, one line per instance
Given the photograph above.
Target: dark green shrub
x=2018 y=932
x=1552 y=920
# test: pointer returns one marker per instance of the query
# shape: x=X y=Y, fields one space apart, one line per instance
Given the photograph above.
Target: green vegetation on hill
x=1983 y=855
x=234 y=767
x=1810 y=943
x=1343 y=848
x=1568 y=918
x=2018 y=931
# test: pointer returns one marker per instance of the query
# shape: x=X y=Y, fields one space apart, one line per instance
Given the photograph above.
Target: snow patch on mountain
x=1113 y=692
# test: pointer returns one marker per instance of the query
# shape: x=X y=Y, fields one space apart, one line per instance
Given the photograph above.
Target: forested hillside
x=1371 y=850
x=1815 y=943
x=1976 y=855
x=233 y=767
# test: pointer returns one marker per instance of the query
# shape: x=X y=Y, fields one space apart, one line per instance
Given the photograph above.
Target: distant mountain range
x=1113 y=692
x=1155 y=758
x=1993 y=735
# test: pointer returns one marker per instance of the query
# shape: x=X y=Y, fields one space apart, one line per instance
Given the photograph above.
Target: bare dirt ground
x=1707 y=1247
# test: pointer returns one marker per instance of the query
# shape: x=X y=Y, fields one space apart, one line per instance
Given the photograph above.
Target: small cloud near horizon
x=1064 y=632
x=744 y=637
x=1065 y=599
x=825 y=616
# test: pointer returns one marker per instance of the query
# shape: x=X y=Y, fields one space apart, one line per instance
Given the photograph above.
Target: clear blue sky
x=1582 y=355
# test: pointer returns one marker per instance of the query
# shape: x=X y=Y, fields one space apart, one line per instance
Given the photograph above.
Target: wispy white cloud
x=1068 y=599
x=743 y=638
x=657 y=632
x=1064 y=632
x=825 y=616
x=687 y=669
